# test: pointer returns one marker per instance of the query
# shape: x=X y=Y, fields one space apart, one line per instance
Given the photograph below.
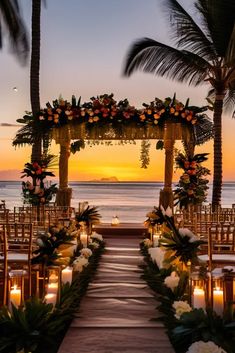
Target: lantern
x=115 y=221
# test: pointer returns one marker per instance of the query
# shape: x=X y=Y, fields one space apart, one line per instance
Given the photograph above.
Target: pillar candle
x=83 y=239
x=51 y=298
x=67 y=274
x=155 y=239
x=199 y=298
x=15 y=296
x=52 y=288
x=218 y=301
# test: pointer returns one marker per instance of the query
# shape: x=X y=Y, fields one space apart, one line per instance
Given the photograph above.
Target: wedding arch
x=103 y=118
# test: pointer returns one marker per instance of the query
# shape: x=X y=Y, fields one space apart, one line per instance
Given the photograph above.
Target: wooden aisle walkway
x=115 y=314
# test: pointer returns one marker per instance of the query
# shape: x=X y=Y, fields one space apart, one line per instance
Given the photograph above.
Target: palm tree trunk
x=217 y=175
x=34 y=75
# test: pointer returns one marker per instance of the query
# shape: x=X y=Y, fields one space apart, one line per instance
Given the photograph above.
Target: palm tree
x=34 y=77
x=11 y=20
x=203 y=53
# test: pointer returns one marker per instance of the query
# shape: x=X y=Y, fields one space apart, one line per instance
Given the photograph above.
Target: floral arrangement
x=190 y=330
x=36 y=192
x=51 y=245
x=192 y=187
x=104 y=109
x=205 y=347
x=180 y=246
x=88 y=216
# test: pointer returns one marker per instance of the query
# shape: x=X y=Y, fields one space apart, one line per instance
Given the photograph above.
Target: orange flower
x=176 y=113
x=193 y=121
x=142 y=117
x=172 y=110
x=189 y=117
x=156 y=116
x=96 y=118
x=149 y=111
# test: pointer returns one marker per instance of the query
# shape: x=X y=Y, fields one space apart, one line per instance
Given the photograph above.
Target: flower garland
x=190 y=330
x=192 y=187
x=36 y=192
x=105 y=109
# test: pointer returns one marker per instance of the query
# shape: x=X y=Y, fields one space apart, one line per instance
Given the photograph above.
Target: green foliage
x=77 y=146
x=89 y=215
x=200 y=325
x=144 y=154
x=160 y=145
x=192 y=187
x=48 y=243
x=28 y=326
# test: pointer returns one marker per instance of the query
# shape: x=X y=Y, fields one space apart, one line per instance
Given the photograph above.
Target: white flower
x=147 y=242
x=79 y=263
x=86 y=252
x=205 y=347
x=181 y=307
x=172 y=281
x=186 y=232
x=96 y=236
x=167 y=212
x=94 y=244
x=157 y=255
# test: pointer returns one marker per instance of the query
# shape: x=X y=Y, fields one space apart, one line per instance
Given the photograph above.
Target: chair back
x=3 y=265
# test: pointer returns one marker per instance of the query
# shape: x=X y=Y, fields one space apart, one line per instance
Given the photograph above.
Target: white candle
x=51 y=298
x=218 y=301
x=67 y=275
x=52 y=288
x=83 y=239
x=199 y=298
x=15 y=296
x=156 y=237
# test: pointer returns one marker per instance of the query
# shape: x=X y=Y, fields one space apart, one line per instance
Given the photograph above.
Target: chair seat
x=21 y=257
x=219 y=257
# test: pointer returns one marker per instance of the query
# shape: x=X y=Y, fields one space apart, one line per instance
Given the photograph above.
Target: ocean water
x=130 y=201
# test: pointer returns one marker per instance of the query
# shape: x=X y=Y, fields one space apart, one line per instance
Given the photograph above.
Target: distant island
x=106 y=180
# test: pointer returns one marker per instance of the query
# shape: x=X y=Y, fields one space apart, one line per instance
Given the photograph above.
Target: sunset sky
x=83 y=46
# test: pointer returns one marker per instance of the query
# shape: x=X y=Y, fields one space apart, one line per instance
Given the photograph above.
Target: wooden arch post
x=166 y=195
x=64 y=193
x=172 y=132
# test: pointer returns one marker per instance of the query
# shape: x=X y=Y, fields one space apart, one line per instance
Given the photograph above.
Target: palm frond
x=163 y=60
x=187 y=34
x=16 y=29
x=219 y=17
x=89 y=215
x=204 y=131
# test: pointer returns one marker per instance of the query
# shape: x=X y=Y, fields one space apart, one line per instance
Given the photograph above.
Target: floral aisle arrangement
x=88 y=216
x=36 y=192
x=167 y=271
x=52 y=243
x=192 y=187
x=37 y=326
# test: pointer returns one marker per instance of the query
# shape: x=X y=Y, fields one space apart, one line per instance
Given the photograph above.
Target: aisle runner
x=115 y=314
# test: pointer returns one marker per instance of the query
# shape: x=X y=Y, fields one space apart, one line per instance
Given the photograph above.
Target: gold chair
x=19 y=252
x=3 y=266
